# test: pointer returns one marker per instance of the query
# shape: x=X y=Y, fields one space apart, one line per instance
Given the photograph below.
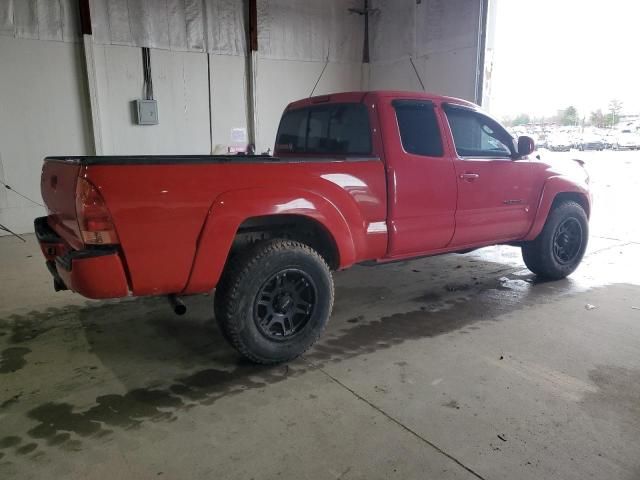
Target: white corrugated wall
x=434 y=43
x=199 y=64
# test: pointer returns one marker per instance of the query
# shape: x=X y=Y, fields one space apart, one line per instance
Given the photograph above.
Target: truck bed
x=197 y=159
x=174 y=215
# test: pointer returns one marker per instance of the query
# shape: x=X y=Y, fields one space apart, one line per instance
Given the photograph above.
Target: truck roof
x=349 y=97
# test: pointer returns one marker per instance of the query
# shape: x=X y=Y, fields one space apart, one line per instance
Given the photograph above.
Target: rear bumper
x=93 y=273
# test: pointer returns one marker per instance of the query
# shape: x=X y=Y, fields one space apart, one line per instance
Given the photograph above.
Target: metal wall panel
x=403 y=28
x=393 y=29
x=177 y=21
x=225 y=27
x=308 y=30
x=25 y=18
x=305 y=30
x=431 y=44
x=445 y=25
x=194 y=25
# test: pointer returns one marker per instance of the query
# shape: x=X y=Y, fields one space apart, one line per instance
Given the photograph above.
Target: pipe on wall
x=90 y=72
x=252 y=71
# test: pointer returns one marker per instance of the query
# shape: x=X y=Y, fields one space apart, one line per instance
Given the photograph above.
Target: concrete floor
x=459 y=366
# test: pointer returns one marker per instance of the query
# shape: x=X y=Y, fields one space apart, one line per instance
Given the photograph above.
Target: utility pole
x=365 y=11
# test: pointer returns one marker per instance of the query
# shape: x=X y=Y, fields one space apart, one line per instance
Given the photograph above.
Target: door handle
x=469 y=177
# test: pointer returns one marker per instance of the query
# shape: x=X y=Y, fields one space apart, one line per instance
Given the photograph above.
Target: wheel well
x=295 y=227
x=573 y=197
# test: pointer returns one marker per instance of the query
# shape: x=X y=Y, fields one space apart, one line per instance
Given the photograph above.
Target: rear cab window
x=476 y=135
x=418 y=127
x=331 y=129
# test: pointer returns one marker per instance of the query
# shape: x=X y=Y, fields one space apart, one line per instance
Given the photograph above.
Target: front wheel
x=559 y=248
x=274 y=300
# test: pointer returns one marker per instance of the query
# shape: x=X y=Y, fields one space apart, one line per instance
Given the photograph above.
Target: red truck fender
x=553 y=188
x=231 y=209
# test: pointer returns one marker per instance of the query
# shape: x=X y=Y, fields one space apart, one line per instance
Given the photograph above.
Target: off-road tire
x=242 y=281
x=538 y=254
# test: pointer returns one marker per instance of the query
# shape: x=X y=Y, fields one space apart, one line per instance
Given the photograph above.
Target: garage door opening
x=562 y=73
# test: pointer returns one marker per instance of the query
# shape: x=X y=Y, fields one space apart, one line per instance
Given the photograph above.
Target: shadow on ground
x=171 y=364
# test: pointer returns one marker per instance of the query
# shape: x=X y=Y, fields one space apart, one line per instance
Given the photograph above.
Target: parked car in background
x=542 y=142
x=559 y=142
x=628 y=140
x=591 y=141
x=610 y=140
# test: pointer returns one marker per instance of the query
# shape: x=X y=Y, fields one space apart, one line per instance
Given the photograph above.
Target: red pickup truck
x=355 y=177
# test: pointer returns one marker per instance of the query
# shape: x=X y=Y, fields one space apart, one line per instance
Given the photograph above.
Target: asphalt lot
x=458 y=366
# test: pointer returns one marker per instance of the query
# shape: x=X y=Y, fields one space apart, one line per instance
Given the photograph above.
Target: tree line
x=570 y=116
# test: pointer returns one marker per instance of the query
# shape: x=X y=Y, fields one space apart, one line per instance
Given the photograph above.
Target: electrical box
x=147 y=112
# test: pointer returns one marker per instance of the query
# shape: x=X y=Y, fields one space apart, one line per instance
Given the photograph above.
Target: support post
x=90 y=70
x=480 y=55
x=365 y=11
x=365 y=49
x=252 y=73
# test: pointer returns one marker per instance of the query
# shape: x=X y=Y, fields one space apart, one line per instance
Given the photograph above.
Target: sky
x=550 y=54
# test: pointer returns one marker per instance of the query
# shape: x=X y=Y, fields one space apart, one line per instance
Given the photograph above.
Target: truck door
x=494 y=191
x=420 y=177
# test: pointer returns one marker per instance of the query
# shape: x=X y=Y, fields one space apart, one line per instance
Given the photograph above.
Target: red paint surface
x=97 y=277
x=176 y=222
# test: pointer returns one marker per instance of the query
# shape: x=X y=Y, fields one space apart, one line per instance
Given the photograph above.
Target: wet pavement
x=458 y=366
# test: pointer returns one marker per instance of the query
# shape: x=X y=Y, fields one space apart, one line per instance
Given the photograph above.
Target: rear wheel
x=559 y=248
x=274 y=301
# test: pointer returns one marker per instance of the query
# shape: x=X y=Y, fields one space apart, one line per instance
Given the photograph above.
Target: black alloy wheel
x=567 y=241
x=285 y=303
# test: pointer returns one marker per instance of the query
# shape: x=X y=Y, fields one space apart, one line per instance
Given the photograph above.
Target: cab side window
x=475 y=135
x=418 y=127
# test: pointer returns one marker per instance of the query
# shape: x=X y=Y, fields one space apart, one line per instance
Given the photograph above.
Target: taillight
x=94 y=219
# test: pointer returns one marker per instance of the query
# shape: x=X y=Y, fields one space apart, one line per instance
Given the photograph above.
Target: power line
x=2 y=227
x=9 y=187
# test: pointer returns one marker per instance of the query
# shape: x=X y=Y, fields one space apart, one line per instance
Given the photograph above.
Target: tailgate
x=58 y=187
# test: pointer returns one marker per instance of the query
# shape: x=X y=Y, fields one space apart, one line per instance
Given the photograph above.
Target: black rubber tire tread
x=231 y=297
x=217 y=313
x=538 y=254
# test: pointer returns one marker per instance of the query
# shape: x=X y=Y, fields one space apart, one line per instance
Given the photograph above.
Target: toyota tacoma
x=359 y=177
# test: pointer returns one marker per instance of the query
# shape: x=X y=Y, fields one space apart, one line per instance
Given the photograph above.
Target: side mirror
x=526 y=145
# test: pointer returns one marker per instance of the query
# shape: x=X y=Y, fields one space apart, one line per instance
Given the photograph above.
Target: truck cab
x=456 y=179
